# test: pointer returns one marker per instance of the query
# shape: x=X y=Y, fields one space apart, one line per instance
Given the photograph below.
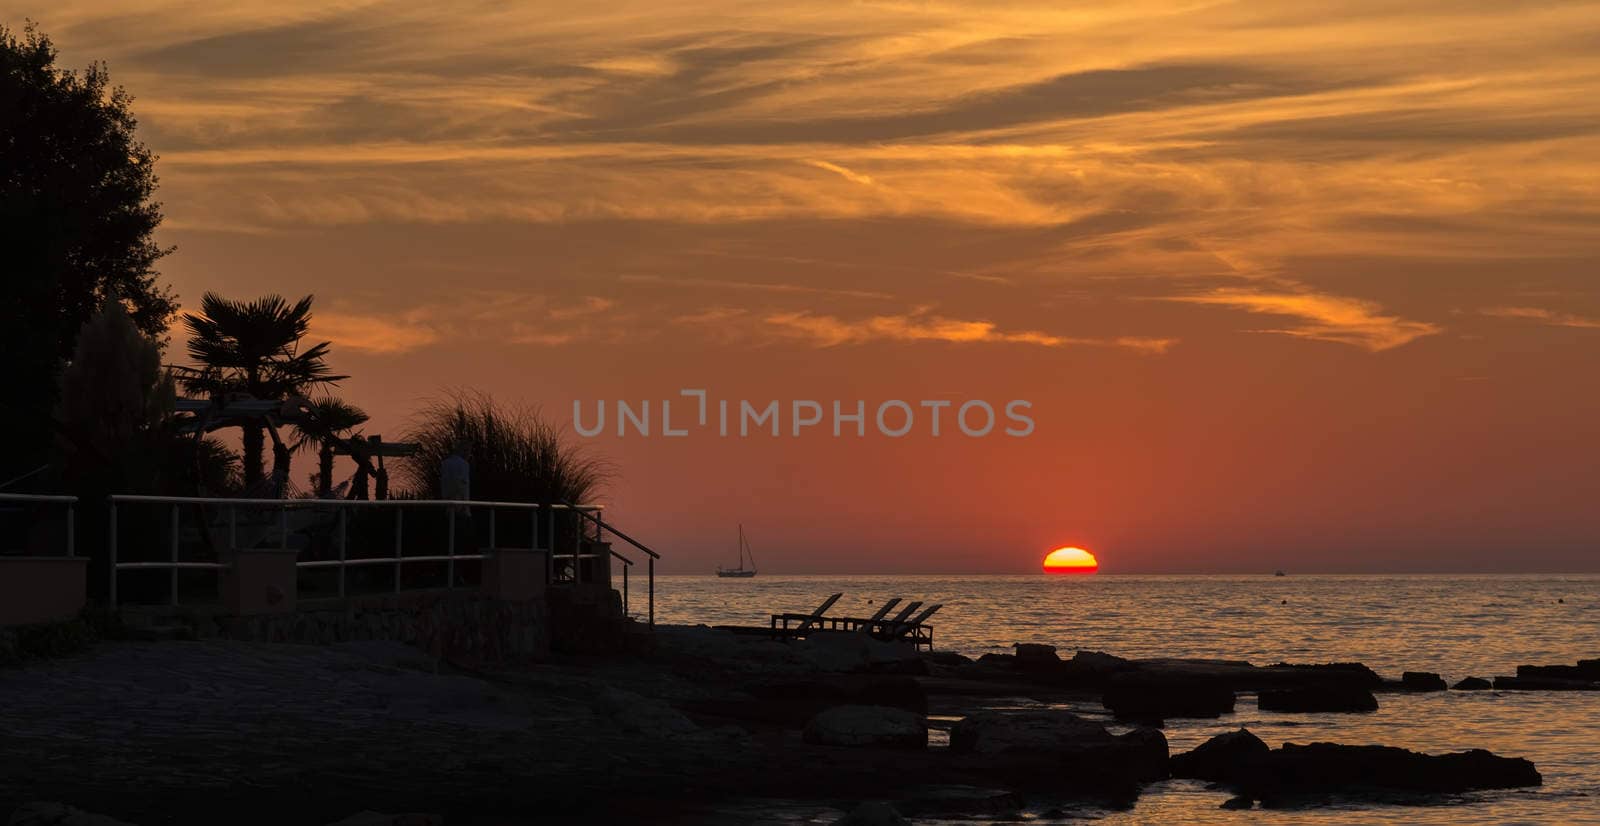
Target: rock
x=1422 y=681
x=874 y=813
x=380 y=819
x=946 y=658
x=1473 y=684
x=870 y=726
x=1237 y=803
x=1033 y=657
x=1324 y=698
x=1544 y=684
x=840 y=651
x=1293 y=674
x=1140 y=697
x=1096 y=666
x=1321 y=768
x=943 y=801
x=997 y=660
x=793 y=702
x=1143 y=752
x=58 y=814
x=993 y=732
x=1585 y=670
x=1056 y=749
x=642 y=715
x=1221 y=758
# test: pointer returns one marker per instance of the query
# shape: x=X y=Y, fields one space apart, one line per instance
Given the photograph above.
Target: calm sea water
x=1455 y=625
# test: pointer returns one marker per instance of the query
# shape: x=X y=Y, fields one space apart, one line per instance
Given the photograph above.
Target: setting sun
x=1070 y=561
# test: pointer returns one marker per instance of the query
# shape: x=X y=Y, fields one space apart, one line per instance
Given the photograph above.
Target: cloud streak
x=923 y=326
x=1550 y=318
x=1322 y=317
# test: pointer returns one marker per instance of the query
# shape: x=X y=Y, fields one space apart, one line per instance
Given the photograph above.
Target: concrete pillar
x=41 y=588
x=514 y=573
x=260 y=581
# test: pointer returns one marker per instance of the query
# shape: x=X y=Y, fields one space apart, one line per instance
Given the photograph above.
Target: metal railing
x=452 y=508
x=70 y=502
x=600 y=527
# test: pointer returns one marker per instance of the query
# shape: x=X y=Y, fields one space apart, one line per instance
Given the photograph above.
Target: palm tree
x=328 y=421
x=254 y=348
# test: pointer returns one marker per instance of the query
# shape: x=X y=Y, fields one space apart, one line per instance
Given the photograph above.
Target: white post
x=450 y=564
x=111 y=542
x=342 y=541
x=399 y=549
x=174 y=575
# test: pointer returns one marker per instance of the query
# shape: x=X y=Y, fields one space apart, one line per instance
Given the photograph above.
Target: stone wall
x=464 y=628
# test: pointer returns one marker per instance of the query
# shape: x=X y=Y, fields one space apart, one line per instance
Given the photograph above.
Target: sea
x=1455 y=625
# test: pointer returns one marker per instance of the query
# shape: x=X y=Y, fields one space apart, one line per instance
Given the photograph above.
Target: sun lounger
x=913 y=627
x=882 y=612
x=806 y=621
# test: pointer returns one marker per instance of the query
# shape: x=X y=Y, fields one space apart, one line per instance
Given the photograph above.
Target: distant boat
x=740 y=572
x=1279 y=573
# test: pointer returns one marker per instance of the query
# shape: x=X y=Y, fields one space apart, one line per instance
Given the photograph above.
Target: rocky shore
x=214 y=731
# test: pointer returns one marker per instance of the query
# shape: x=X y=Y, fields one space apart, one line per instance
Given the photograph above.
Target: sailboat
x=740 y=572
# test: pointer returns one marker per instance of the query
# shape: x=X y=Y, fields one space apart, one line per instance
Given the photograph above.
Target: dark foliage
x=76 y=224
x=253 y=348
x=514 y=454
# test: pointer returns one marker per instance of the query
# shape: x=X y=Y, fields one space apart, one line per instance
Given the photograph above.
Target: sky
x=1287 y=285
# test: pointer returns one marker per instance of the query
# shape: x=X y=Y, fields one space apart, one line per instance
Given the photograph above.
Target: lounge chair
x=872 y=622
x=898 y=630
x=885 y=625
x=806 y=620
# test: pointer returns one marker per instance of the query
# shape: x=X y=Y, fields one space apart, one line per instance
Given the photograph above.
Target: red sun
x=1070 y=561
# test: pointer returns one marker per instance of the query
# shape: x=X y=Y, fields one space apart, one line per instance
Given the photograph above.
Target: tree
x=115 y=402
x=77 y=225
x=328 y=422
x=116 y=432
x=253 y=348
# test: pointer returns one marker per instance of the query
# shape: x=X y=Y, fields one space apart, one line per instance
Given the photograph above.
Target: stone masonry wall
x=463 y=628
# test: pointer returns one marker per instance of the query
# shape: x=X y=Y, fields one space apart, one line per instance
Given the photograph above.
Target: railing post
x=70 y=528
x=577 y=548
x=492 y=543
x=283 y=527
x=652 y=564
x=450 y=546
x=111 y=542
x=399 y=548
x=343 y=539
x=174 y=576
x=625 y=568
x=233 y=528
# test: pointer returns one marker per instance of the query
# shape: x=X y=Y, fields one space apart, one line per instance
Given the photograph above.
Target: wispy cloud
x=375 y=333
x=1323 y=317
x=1544 y=316
x=503 y=317
x=923 y=326
x=843 y=173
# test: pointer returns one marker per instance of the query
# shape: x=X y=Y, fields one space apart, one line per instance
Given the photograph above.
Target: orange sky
x=1304 y=286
